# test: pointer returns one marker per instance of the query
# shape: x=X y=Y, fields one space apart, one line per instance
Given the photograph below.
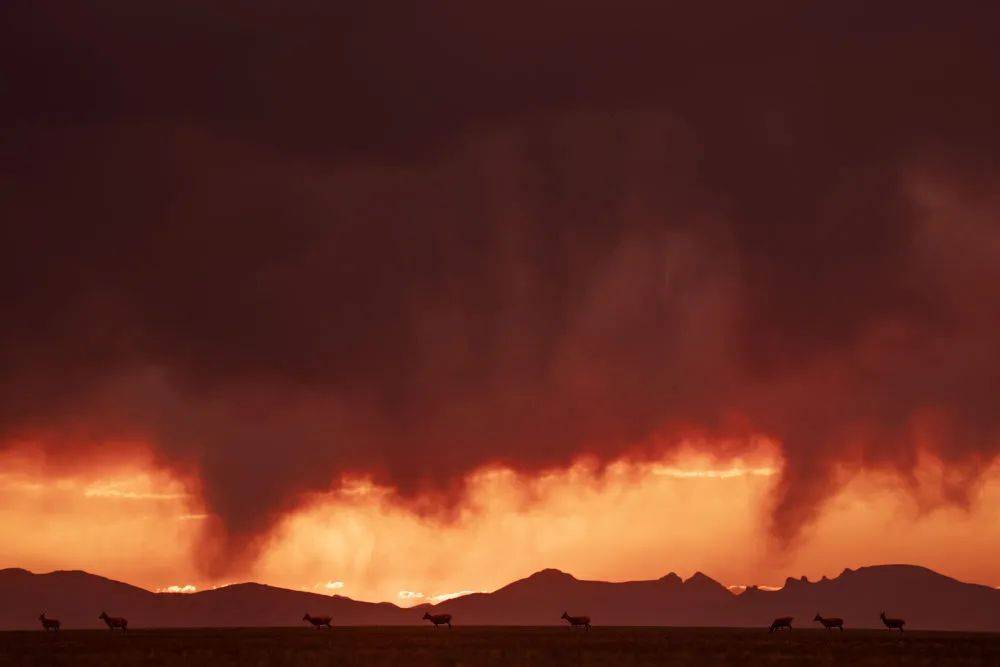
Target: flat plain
x=549 y=646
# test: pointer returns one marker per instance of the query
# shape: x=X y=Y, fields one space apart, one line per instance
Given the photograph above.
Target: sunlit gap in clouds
x=713 y=474
x=136 y=487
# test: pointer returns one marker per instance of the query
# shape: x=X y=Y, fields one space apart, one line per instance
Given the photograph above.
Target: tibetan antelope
x=319 y=621
x=438 y=619
x=783 y=622
x=49 y=623
x=830 y=623
x=892 y=623
x=115 y=622
x=577 y=621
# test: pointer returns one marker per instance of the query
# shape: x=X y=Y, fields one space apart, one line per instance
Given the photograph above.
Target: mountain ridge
x=926 y=598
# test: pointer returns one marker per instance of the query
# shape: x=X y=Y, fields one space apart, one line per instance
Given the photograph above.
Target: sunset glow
x=682 y=514
x=405 y=302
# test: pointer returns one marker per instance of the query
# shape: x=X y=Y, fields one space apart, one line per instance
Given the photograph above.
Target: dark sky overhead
x=285 y=242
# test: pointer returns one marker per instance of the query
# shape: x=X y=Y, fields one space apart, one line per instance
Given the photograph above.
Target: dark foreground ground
x=415 y=646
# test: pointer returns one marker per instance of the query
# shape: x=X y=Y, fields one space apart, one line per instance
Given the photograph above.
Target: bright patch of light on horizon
x=186 y=588
x=450 y=596
x=333 y=585
x=739 y=588
x=410 y=595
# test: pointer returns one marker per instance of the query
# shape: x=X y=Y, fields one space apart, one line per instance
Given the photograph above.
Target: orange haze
x=135 y=522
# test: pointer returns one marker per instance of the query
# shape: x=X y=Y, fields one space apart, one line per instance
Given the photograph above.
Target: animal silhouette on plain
x=577 y=621
x=892 y=623
x=115 y=622
x=49 y=623
x=830 y=623
x=319 y=621
x=783 y=622
x=438 y=619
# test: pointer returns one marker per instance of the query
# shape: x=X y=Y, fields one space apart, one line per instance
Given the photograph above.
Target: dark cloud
x=287 y=243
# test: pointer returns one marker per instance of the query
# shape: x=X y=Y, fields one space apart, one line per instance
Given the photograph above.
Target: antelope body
x=438 y=619
x=319 y=621
x=830 y=623
x=114 y=622
x=49 y=623
x=892 y=623
x=783 y=622
x=577 y=621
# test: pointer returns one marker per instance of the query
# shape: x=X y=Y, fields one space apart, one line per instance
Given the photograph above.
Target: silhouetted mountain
x=923 y=597
x=926 y=599
x=542 y=597
x=76 y=598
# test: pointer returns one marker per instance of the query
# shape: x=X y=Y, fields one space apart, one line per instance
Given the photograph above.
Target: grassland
x=416 y=646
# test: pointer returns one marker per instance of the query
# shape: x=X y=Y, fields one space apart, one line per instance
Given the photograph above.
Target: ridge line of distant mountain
x=698 y=578
x=928 y=599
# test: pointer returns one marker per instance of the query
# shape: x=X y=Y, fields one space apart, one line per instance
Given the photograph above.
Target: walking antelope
x=830 y=623
x=49 y=623
x=114 y=622
x=577 y=621
x=892 y=623
x=438 y=619
x=319 y=621
x=783 y=622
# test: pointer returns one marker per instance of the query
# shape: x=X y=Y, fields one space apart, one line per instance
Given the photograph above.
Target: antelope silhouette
x=115 y=622
x=49 y=623
x=783 y=622
x=319 y=621
x=892 y=623
x=830 y=623
x=577 y=621
x=438 y=619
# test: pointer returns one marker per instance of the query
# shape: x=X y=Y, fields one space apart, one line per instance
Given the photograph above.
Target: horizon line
x=447 y=597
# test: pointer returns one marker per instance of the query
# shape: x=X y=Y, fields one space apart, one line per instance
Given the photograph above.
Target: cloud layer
x=286 y=245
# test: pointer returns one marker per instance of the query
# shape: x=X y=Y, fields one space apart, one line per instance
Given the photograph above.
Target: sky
x=420 y=299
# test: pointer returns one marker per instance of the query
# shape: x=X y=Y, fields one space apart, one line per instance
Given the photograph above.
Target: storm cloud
x=285 y=243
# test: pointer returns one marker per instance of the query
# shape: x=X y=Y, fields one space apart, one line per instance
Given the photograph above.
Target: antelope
x=319 y=621
x=577 y=621
x=892 y=623
x=49 y=623
x=114 y=622
x=783 y=622
x=438 y=619
x=830 y=623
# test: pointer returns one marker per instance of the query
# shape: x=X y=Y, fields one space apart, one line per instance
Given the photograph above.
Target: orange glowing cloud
x=684 y=513
x=122 y=518
x=500 y=308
